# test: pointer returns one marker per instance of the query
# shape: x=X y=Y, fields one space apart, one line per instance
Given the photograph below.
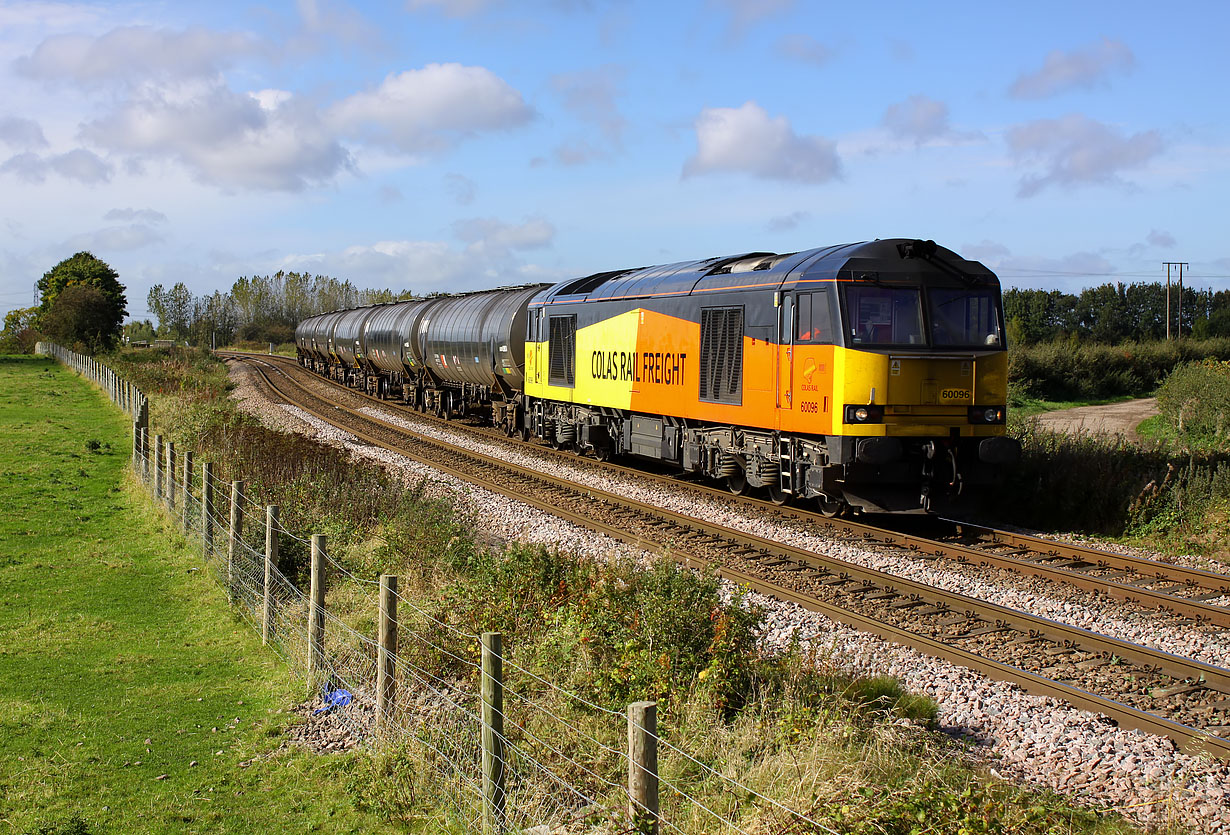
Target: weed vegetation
x=584 y=639
x=1171 y=491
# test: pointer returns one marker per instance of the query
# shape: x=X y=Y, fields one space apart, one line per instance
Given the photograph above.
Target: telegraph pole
x=1168 y=265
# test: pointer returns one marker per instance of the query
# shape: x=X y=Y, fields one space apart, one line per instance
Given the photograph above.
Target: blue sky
x=460 y=144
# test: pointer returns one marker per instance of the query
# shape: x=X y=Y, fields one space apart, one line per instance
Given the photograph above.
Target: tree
x=20 y=331
x=173 y=308
x=84 y=270
x=82 y=316
x=139 y=332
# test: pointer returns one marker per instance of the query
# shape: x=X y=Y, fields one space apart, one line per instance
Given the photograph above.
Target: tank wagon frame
x=870 y=375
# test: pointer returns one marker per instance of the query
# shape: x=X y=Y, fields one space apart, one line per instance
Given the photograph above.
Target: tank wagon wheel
x=777 y=495
x=830 y=508
x=737 y=483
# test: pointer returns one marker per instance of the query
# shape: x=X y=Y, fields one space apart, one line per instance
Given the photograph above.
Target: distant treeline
x=256 y=309
x=267 y=309
x=1114 y=313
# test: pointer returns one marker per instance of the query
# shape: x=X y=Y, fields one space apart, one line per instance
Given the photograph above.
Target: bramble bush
x=1194 y=400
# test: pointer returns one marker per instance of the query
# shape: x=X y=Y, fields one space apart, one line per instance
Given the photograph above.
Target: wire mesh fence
x=560 y=763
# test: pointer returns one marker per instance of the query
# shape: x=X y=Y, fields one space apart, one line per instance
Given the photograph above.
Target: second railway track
x=1137 y=686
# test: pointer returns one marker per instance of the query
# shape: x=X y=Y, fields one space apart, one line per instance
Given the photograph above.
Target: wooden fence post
x=207 y=506
x=643 y=767
x=234 y=538
x=271 y=565
x=145 y=455
x=493 y=732
x=187 y=502
x=316 y=606
x=170 y=459
x=386 y=655
x=158 y=467
x=136 y=444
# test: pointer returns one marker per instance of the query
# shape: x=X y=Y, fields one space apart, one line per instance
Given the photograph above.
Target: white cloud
x=147 y=215
x=1076 y=150
x=1065 y=272
x=115 y=238
x=77 y=164
x=805 y=48
x=1160 y=239
x=984 y=251
x=452 y=8
x=224 y=138
x=463 y=189
x=22 y=133
x=918 y=118
x=747 y=13
x=136 y=54
x=747 y=139
x=491 y=235
x=785 y=223
x=272 y=99
x=431 y=109
x=577 y=152
x=1063 y=71
x=590 y=96
x=422 y=266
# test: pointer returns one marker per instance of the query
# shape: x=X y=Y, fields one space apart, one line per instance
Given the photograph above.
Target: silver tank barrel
x=477 y=337
x=388 y=336
x=348 y=333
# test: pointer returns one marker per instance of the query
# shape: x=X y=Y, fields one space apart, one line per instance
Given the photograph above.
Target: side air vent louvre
x=721 y=354
x=562 y=346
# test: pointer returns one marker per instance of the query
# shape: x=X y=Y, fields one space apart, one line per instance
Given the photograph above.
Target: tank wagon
x=870 y=376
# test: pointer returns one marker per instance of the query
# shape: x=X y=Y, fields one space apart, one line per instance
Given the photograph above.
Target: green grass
x=112 y=637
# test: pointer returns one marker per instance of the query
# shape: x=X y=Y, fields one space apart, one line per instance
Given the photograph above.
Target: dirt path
x=1114 y=419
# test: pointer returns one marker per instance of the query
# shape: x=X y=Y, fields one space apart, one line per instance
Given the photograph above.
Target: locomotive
x=869 y=376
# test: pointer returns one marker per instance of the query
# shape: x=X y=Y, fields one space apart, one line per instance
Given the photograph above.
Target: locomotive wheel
x=602 y=452
x=737 y=483
x=777 y=495
x=830 y=508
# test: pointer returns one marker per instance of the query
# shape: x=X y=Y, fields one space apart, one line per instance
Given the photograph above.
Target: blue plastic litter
x=335 y=698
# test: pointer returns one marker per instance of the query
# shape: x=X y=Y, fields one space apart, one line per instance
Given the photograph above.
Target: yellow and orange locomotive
x=868 y=375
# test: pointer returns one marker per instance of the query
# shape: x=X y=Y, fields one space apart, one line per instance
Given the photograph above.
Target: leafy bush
x=1071 y=370
x=1194 y=400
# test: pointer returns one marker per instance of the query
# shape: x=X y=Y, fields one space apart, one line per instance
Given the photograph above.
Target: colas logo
x=809 y=368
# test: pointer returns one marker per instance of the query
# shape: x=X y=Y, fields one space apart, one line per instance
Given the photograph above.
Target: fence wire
x=562 y=772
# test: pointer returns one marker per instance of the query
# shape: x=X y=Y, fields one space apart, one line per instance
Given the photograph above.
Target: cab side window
x=814 y=321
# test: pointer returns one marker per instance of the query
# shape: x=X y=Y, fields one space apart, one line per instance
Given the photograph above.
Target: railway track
x=1200 y=596
x=1136 y=686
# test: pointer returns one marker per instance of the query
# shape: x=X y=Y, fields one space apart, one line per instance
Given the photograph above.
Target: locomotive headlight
x=863 y=414
x=986 y=414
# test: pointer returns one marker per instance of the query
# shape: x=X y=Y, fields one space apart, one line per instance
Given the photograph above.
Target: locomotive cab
x=919 y=382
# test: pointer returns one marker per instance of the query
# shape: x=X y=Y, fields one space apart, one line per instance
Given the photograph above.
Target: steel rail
x=930 y=548
x=1069 y=636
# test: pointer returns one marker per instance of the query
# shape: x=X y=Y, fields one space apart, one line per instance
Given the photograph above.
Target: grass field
x=130 y=699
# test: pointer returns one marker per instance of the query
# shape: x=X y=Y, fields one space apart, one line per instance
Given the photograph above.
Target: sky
x=453 y=145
